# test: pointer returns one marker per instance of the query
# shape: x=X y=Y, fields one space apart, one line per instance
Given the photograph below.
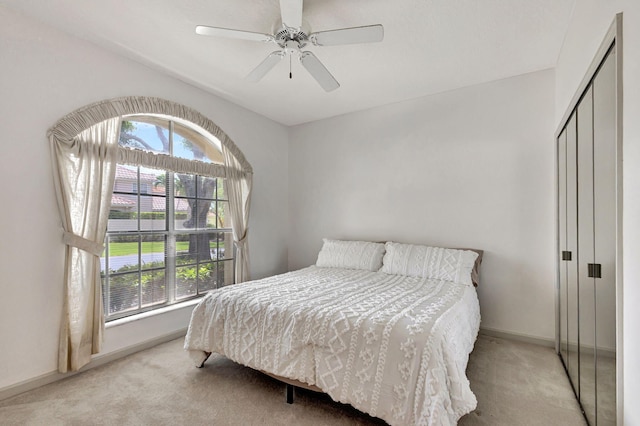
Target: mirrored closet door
x=587 y=231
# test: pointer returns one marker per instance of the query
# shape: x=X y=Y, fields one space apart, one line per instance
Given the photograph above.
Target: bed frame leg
x=290 y=394
x=208 y=354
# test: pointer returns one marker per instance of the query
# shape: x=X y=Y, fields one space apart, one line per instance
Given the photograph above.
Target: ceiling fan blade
x=366 y=34
x=291 y=12
x=235 y=34
x=265 y=66
x=318 y=71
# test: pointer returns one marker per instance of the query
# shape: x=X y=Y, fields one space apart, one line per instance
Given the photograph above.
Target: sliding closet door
x=596 y=136
x=604 y=205
x=562 y=242
x=586 y=256
x=572 y=360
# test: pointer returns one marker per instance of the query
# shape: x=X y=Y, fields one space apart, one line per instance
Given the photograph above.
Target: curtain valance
x=72 y=124
x=166 y=162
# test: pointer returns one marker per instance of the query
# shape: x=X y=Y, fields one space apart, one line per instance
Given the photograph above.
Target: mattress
x=393 y=346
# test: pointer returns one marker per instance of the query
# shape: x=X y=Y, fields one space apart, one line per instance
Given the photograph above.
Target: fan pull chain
x=290 y=74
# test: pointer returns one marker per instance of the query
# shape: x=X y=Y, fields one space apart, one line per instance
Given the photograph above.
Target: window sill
x=132 y=318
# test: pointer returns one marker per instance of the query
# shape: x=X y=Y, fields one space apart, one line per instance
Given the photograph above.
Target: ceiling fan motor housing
x=285 y=35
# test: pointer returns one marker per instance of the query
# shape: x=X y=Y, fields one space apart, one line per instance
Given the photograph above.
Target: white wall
x=467 y=168
x=590 y=22
x=45 y=75
x=472 y=167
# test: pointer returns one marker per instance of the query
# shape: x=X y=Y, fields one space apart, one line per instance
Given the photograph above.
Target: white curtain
x=84 y=171
x=85 y=152
x=239 y=191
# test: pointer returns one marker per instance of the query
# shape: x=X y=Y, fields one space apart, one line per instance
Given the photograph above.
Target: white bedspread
x=393 y=346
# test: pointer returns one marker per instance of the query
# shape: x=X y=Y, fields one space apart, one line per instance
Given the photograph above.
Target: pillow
x=475 y=272
x=350 y=255
x=429 y=262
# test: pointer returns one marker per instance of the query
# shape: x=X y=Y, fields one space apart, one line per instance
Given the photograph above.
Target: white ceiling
x=429 y=46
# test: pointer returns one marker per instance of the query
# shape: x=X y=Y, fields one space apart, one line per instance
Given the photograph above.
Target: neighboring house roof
x=119 y=201
x=180 y=204
x=157 y=203
x=131 y=173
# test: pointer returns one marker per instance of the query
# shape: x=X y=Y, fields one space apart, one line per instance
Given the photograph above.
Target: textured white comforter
x=393 y=346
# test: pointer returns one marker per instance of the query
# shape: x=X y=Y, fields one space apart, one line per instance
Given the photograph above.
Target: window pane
x=206 y=211
x=184 y=185
x=124 y=201
x=160 y=182
x=186 y=281
x=122 y=220
x=222 y=216
x=186 y=249
x=123 y=292
x=205 y=244
x=191 y=144
x=153 y=213
x=207 y=277
x=123 y=253
x=123 y=214
x=152 y=181
x=225 y=273
x=223 y=247
x=182 y=212
x=126 y=180
x=153 y=251
x=185 y=218
x=147 y=133
x=206 y=187
x=221 y=190
x=153 y=287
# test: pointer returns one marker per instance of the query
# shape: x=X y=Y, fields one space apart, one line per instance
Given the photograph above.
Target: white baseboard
x=541 y=341
x=96 y=361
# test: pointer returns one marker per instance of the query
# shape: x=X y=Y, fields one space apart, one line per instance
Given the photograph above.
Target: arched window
x=173 y=192
x=169 y=235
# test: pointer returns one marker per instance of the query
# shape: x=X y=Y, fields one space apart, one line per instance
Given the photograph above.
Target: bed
x=387 y=328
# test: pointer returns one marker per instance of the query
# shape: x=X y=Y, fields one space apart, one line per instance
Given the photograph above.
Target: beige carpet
x=515 y=383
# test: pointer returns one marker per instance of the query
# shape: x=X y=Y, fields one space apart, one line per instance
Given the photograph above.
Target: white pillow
x=350 y=255
x=429 y=262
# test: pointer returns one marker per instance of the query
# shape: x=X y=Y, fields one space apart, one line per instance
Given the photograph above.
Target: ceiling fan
x=291 y=36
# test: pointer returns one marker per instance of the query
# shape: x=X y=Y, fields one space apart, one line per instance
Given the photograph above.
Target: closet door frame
x=612 y=40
